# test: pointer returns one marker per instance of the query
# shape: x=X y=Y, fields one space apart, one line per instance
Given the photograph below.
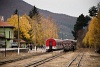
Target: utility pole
x=18 y=31
x=35 y=35
x=5 y=40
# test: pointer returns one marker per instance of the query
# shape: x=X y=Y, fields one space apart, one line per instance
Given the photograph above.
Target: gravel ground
x=13 y=55
x=60 y=61
x=90 y=59
x=23 y=63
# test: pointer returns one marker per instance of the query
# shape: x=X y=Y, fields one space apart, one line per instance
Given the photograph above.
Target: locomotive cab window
x=50 y=43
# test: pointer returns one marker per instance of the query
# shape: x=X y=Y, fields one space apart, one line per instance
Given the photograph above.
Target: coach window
x=57 y=43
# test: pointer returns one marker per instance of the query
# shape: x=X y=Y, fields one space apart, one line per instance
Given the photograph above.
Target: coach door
x=50 y=45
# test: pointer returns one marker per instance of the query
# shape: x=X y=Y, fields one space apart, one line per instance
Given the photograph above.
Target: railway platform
x=21 y=50
x=38 y=50
x=13 y=49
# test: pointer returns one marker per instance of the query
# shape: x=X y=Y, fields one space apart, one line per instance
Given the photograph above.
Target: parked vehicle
x=14 y=45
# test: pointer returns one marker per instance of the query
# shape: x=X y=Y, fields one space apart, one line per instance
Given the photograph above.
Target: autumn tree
x=44 y=30
x=35 y=29
x=24 y=26
x=35 y=24
x=92 y=37
x=50 y=28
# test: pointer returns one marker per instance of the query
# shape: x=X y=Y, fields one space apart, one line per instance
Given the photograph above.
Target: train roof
x=70 y=40
x=57 y=40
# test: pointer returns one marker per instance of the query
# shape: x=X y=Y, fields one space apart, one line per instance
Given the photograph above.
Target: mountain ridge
x=65 y=22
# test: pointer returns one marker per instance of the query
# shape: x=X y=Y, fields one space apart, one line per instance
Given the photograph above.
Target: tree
x=24 y=26
x=93 y=11
x=92 y=37
x=47 y=29
x=41 y=28
x=36 y=18
x=33 y=12
x=81 y=22
x=50 y=28
x=16 y=12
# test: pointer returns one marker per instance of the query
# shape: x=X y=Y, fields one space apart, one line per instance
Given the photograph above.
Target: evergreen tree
x=35 y=24
x=81 y=22
x=33 y=12
x=93 y=11
x=16 y=12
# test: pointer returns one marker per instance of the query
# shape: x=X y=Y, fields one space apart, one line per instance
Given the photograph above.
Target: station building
x=6 y=34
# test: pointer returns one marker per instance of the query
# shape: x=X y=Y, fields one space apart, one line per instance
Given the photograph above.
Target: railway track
x=37 y=63
x=76 y=61
x=21 y=58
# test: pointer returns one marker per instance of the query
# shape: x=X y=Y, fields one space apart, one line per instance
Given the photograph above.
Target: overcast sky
x=68 y=7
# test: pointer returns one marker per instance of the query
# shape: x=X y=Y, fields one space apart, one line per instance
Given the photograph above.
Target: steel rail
x=37 y=63
x=80 y=60
x=70 y=63
x=21 y=58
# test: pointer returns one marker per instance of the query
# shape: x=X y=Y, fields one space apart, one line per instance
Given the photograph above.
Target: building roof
x=5 y=24
x=22 y=41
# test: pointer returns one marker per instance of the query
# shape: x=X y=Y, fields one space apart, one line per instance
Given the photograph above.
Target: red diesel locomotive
x=54 y=44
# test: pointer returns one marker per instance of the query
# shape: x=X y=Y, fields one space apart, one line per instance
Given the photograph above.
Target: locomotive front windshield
x=50 y=45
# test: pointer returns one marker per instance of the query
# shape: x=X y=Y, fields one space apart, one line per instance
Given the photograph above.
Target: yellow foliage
x=92 y=37
x=50 y=28
x=36 y=30
x=24 y=25
x=43 y=29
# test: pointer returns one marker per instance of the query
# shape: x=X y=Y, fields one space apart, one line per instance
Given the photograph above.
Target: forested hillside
x=65 y=22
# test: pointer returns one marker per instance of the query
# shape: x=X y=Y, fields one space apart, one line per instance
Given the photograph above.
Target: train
x=59 y=44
